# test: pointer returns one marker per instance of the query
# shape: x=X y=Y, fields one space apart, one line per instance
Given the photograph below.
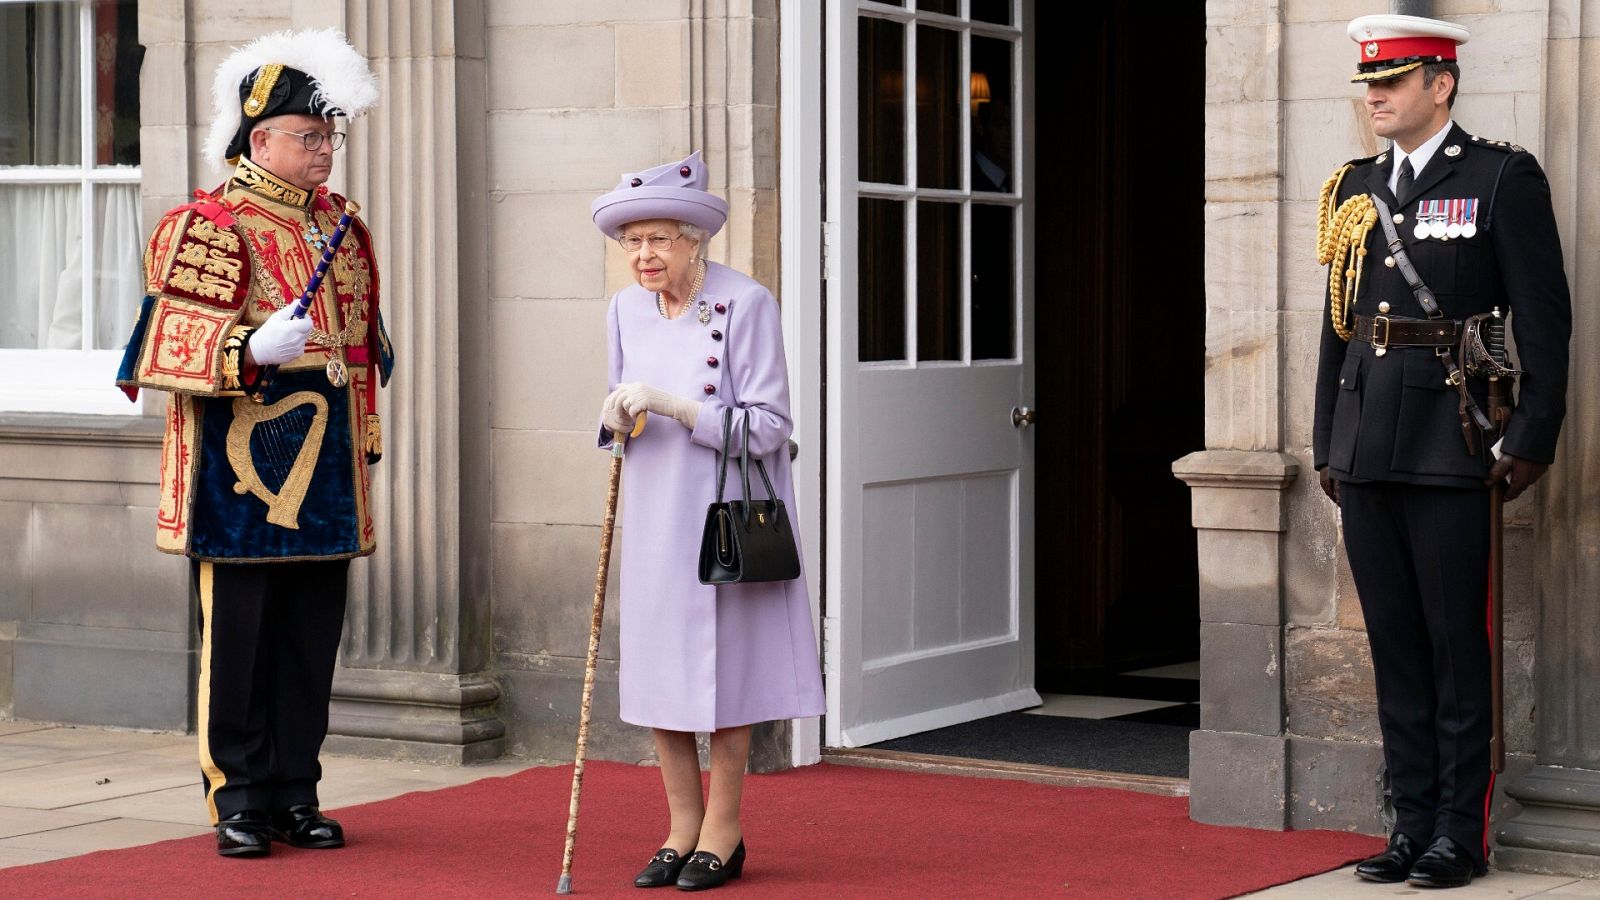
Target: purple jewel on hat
x=675 y=191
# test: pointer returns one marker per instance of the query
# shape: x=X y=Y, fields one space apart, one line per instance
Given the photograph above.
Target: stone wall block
x=238 y=24
x=1242 y=387
x=544 y=594
x=1305 y=282
x=1242 y=63
x=753 y=61
x=541 y=705
x=1336 y=785
x=1340 y=11
x=551 y=68
x=582 y=12
x=1243 y=12
x=1350 y=617
x=1521 y=589
x=107 y=677
x=545 y=247
x=1302 y=347
x=163 y=88
x=17 y=575
x=1242 y=162
x=1324 y=59
x=1245 y=280
x=1241 y=678
x=1342 y=131
x=1518 y=667
x=548 y=477
x=1311 y=553
x=1506 y=51
x=1237 y=779
x=150 y=589
x=1330 y=685
x=559 y=348
x=570 y=150
x=1240 y=581
x=652 y=64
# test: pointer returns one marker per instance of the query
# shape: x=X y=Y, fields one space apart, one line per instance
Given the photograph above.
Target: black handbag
x=746 y=540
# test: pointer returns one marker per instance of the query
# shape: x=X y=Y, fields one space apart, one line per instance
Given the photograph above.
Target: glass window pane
x=938 y=280
x=119 y=266
x=116 y=89
x=881 y=305
x=938 y=107
x=996 y=11
x=39 y=84
x=41 y=267
x=882 y=101
x=992 y=143
x=993 y=281
x=948 y=7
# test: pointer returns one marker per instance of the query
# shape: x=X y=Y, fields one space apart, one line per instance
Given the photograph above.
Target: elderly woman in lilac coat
x=692 y=339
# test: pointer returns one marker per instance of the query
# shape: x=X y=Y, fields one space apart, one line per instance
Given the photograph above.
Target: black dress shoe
x=306 y=827
x=705 y=870
x=1393 y=864
x=1445 y=864
x=663 y=870
x=246 y=833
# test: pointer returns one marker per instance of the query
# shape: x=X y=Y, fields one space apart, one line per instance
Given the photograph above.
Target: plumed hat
x=674 y=191
x=1394 y=45
x=312 y=72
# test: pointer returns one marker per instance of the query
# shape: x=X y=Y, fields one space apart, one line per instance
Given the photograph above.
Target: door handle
x=1022 y=416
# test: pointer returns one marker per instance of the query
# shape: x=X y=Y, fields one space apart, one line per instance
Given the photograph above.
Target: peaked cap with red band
x=1388 y=46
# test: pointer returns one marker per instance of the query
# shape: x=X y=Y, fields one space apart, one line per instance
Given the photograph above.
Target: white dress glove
x=613 y=416
x=280 y=339
x=635 y=398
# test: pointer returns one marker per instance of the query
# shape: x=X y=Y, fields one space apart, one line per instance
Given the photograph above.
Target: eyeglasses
x=658 y=242
x=312 y=139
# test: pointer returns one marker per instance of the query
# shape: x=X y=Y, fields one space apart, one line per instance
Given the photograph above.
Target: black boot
x=1393 y=864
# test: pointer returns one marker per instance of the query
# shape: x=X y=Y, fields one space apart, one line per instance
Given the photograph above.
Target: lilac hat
x=674 y=191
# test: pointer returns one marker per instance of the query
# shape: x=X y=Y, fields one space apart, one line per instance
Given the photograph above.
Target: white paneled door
x=929 y=368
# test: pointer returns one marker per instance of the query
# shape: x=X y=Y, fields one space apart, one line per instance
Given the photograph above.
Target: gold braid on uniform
x=232 y=350
x=1339 y=231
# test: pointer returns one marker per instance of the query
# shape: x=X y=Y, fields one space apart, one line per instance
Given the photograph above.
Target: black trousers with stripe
x=269 y=639
x=1420 y=559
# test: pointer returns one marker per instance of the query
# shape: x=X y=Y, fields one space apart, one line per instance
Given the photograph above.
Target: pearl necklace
x=703 y=309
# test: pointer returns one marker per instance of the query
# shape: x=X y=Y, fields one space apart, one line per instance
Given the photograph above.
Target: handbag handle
x=744 y=460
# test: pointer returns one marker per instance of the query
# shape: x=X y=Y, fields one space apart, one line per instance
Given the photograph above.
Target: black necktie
x=1402 y=187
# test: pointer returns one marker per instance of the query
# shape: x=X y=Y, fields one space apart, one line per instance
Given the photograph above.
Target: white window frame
x=71 y=381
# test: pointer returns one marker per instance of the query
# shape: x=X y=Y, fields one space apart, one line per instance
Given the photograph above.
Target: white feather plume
x=344 y=81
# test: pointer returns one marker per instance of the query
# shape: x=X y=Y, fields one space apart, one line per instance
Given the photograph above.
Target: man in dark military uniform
x=264 y=477
x=1401 y=447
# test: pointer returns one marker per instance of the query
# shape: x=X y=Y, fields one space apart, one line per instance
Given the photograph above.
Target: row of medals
x=1446 y=219
x=338 y=375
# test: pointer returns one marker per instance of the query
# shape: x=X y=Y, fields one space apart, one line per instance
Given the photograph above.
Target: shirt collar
x=1422 y=155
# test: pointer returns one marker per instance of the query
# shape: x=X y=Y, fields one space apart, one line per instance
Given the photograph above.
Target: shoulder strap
x=1397 y=249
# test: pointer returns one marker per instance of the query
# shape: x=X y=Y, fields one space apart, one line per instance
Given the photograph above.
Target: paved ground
x=66 y=791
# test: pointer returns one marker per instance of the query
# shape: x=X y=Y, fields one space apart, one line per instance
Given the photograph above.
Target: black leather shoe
x=1446 y=864
x=1393 y=864
x=664 y=869
x=306 y=827
x=246 y=833
x=705 y=870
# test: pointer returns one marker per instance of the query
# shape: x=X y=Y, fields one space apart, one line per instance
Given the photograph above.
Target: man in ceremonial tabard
x=271 y=427
x=1441 y=227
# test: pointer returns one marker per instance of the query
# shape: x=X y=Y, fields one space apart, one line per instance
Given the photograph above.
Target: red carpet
x=822 y=831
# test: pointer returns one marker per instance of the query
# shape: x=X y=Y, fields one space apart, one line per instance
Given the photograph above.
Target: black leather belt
x=1393 y=331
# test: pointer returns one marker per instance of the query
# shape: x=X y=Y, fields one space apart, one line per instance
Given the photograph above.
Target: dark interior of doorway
x=1120 y=350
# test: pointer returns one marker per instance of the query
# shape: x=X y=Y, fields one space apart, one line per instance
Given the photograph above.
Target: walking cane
x=602 y=570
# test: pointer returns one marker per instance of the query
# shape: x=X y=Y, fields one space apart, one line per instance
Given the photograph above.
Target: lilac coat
x=696 y=657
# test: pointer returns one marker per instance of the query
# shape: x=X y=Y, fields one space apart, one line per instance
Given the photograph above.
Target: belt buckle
x=1380 y=347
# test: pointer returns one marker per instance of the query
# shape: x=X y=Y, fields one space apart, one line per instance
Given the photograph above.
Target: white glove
x=635 y=398
x=280 y=339
x=613 y=416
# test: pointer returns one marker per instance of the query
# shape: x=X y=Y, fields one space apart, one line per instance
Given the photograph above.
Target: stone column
x=412 y=680
x=1558 y=827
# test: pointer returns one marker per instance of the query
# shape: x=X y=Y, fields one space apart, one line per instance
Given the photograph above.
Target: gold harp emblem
x=283 y=507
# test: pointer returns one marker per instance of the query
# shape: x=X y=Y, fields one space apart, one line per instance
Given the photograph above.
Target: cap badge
x=266 y=80
x=1372 y=50
x=1453 y=150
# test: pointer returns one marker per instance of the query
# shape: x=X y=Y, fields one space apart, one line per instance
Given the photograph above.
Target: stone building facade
x=502 y=119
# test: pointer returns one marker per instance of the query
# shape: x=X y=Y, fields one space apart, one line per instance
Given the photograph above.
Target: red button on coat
x=716 y=335
x=711 y=389
x=711 y=361
x=721 y=308
x=684 y=171
x=636 y=182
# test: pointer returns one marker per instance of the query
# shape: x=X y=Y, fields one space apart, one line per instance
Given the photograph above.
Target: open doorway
x=1119 y=342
